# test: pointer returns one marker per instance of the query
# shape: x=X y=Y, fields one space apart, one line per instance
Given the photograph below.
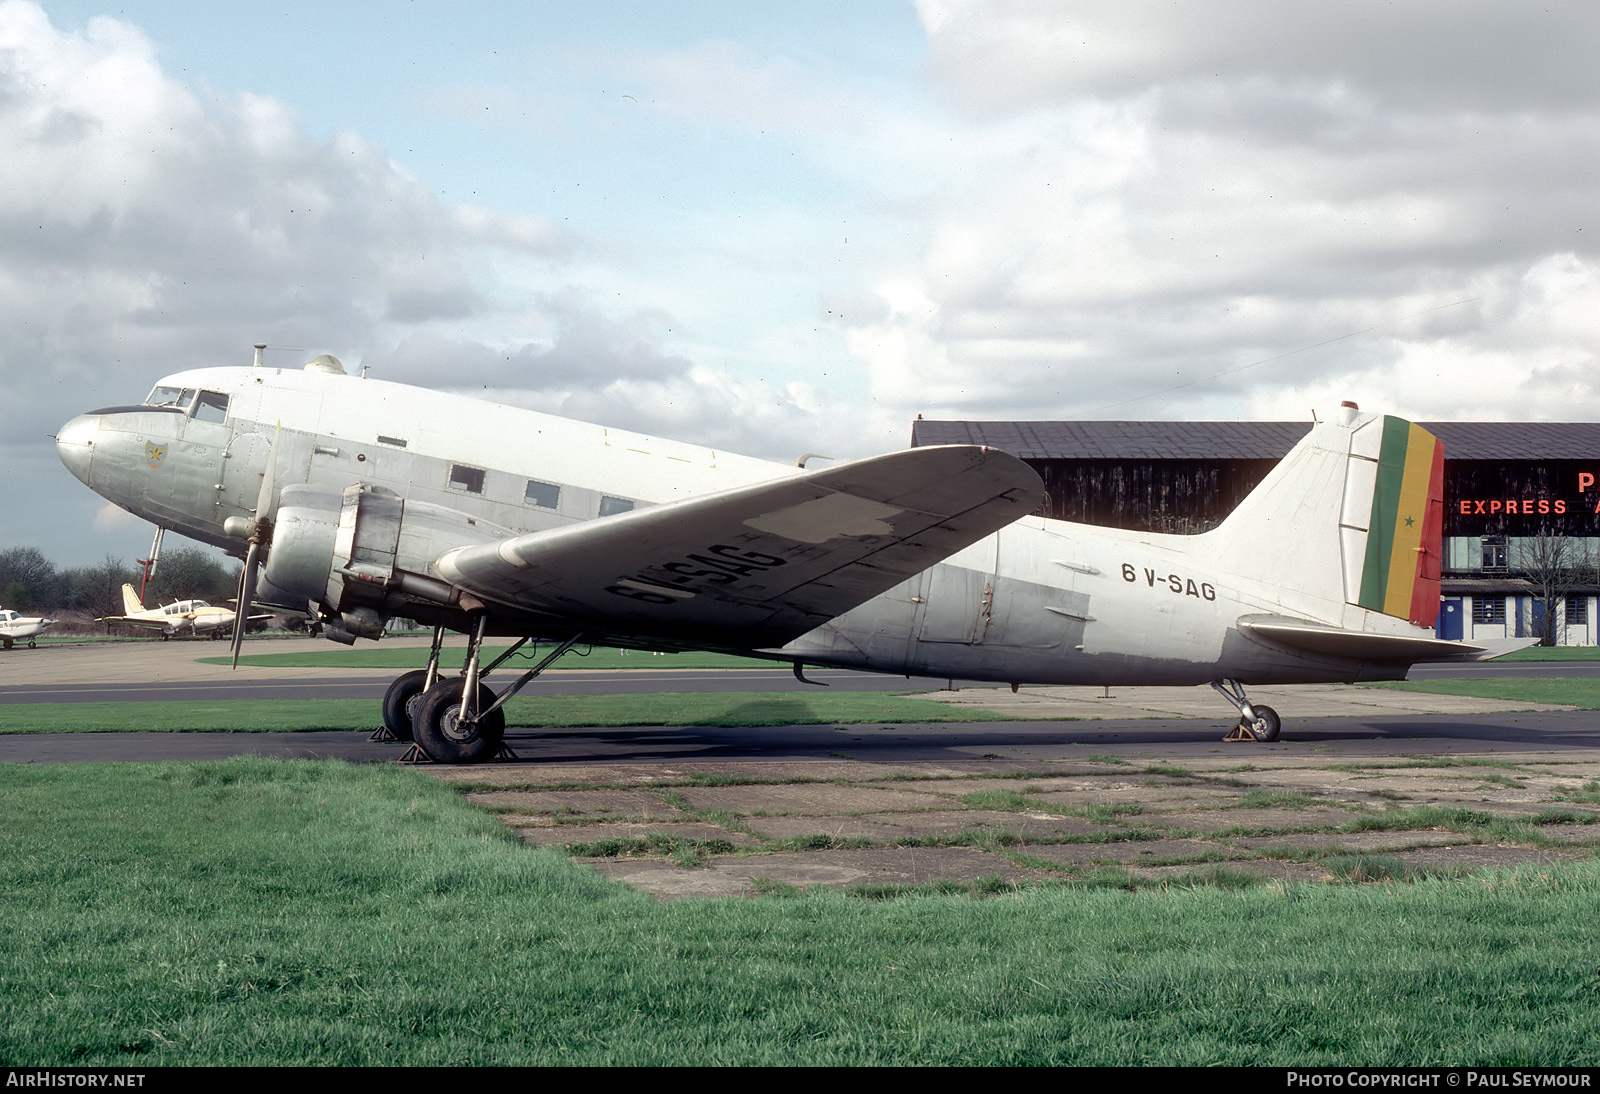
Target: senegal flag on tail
x=1400 y=576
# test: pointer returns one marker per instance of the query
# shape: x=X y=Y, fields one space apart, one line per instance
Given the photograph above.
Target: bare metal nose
x=75 y=444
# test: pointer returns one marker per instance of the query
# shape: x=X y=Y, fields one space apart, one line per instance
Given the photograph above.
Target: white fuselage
x=194 y=616
x=1042 y=601
x=14 y=625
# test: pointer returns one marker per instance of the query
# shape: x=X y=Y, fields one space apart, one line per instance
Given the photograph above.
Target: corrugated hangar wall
x=1501 y=478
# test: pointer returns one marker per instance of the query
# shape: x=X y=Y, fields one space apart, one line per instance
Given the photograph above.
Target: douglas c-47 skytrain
x=361 y=500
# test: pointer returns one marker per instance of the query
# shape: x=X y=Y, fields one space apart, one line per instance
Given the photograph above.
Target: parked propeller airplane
x=14 y=627
x=195 y=616
x=485 y=519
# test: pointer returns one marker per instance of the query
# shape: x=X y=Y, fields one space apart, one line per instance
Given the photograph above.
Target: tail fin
x=1349 y=522
x=1392 y=545
x=131 y=604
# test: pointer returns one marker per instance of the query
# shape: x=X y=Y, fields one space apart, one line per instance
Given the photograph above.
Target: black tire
x=399 y=705
x=440 y=733
x=8 y=643
x=1267 y=724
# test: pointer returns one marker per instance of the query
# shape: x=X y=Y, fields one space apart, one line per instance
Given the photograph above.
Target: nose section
x=75 y=444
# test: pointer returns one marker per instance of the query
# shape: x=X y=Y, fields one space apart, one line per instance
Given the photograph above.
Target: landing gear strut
x=1256 y=721
x=459 y=720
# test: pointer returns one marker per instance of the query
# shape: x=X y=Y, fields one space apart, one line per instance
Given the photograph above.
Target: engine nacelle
x=363 y=552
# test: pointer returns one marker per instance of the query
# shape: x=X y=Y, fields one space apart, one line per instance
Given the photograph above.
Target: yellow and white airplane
x=195 y=616
x=364 y=500
x=15 y=627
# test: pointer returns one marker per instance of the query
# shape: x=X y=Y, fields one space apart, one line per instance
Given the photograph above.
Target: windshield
x=170 y=396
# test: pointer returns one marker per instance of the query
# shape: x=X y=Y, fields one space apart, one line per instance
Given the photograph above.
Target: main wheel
x=438 y=727
x=401 y=701
x=1266 y=725
x=8 y=643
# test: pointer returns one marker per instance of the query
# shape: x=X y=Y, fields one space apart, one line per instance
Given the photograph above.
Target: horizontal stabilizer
x=755 y=566
x=1329 y=641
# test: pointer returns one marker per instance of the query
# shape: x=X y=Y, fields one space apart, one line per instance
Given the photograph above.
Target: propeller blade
x=264 y=498
x=247 y=590
x=260 y=537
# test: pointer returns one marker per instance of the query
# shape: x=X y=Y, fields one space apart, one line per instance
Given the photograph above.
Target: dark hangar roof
x=1246 y=440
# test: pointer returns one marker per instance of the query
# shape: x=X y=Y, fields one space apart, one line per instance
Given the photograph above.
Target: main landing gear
x=1257 y=722
x=456 y=720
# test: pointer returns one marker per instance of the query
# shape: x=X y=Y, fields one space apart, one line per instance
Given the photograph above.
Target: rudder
x=1392 y=540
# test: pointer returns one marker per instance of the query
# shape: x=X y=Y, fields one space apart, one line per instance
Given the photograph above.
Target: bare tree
x=1554 y=563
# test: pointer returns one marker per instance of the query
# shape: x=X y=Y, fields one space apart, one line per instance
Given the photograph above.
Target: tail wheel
x=446 y=737
x=401 y=702
x=1266 y=725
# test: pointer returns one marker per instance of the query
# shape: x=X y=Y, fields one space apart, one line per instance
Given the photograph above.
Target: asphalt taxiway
x=1053 y=723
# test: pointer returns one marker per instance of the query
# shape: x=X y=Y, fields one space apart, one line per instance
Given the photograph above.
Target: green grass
x=542 y=712
x=416 y=657
x=257 y=912
x=1580 y=692
x=1554 y=653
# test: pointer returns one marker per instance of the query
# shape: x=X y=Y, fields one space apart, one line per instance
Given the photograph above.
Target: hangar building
x=1513 y=493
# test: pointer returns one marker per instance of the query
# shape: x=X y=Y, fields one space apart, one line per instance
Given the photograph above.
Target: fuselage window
x=212 y=406
x=469 y=479
x=610 y=507
x=543 y=494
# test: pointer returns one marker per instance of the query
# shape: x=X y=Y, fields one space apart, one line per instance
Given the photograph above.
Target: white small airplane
x=195 y=616
x=362 y=500
x=15 y=627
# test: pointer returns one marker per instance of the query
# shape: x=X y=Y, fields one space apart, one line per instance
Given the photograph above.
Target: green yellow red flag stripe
x=1400 y=575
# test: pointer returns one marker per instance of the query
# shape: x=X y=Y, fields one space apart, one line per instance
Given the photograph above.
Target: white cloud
x=148 y=229
x=1195 y=209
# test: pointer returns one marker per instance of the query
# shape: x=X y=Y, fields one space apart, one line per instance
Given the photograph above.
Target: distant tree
x=1555 y=564
x=96 y=590
x=189 y=573
x=27 y=578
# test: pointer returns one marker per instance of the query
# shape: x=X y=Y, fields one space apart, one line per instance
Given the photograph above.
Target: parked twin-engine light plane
x=16 y=627
x=195 y=616
x=364 y=500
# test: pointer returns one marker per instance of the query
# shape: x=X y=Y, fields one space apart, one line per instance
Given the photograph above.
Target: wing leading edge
x=756 y=566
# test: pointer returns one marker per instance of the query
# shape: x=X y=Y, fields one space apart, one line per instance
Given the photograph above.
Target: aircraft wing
x=756 y=566
x=136 y=621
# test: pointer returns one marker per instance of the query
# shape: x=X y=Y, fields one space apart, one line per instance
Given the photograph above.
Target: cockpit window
x=212 y=406
x=171 y=396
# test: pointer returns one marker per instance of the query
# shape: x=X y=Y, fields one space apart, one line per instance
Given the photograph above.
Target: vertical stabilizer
x=130 y=601
x=1393 y=522
x=1348 y=523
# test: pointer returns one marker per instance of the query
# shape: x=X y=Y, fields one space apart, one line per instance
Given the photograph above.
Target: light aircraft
x=363 y=500
x=14 y=627
x=195 y=616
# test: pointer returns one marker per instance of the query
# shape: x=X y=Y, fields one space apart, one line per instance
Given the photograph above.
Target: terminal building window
x=1489 y=609
x=1578 y=610
x=1495 y=554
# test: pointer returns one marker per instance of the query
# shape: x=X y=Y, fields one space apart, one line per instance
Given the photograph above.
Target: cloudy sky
x=786 y=228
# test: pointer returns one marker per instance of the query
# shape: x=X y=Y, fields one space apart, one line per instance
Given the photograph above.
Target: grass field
x=538 y=712
x=260 y=912
x=1577 y=691
x=1554 y=653
x=416 y=657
